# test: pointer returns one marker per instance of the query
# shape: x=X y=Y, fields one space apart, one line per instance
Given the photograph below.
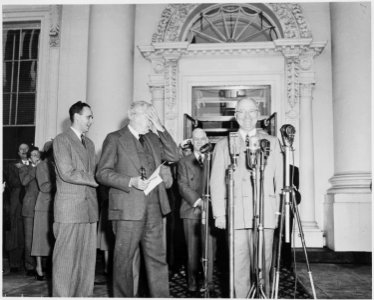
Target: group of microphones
x=254 y=145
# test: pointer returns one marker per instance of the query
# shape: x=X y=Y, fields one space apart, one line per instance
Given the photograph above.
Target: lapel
x=127 y=140
x=193 y=165
x=78 y=146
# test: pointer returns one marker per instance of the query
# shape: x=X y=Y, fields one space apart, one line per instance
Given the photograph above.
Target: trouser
x=28 y=223
x=74 y=259
x=194 y=234
x=128 y=236
x=243 y=260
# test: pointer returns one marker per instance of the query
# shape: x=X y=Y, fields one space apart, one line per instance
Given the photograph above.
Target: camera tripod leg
x=301 y=233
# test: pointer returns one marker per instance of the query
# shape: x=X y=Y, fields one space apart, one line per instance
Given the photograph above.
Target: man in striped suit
x=75 y=208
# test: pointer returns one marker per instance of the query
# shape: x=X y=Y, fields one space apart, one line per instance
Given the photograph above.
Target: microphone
x=195 y=121
x=288 y=134
x=265 y=147
x=233 y=149
x=253 y=144
x=206 y=148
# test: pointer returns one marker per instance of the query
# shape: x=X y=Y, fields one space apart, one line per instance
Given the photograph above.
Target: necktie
x=83 y=141
x=141 y=139
x=200 y=160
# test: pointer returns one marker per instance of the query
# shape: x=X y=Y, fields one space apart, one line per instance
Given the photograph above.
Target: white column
x=110 y=68
x=348 y=203
x=313 y=235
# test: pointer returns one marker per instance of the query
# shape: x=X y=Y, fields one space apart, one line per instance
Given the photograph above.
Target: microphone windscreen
x=233 y=137
x=206 y=148
x=254 y=143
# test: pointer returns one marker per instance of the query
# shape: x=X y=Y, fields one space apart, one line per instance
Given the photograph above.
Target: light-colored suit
x=243 y=203
x=75 y=216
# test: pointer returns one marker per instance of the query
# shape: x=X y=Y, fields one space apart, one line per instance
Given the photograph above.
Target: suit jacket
x=17 y=190
x=75 y=199
x=27 y=174
x=190 y=183
x=243 y=198
x=46 y=180
x=119 y=162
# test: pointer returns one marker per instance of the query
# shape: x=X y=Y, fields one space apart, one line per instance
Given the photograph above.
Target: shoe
x=31 y=273
x=39 y=277
x=193 y=294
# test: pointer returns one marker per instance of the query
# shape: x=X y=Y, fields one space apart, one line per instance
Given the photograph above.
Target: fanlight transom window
x=229 y=23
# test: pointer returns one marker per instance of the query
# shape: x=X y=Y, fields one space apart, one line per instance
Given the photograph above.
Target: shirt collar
x=77 y=133
x=134 y=132
x=244 y=133
x=197 y=154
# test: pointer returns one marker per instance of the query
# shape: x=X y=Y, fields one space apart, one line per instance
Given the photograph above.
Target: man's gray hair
x=137 y=104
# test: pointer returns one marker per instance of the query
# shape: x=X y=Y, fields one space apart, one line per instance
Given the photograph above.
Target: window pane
x=26 y=109
x=11 y=40
x=7 y=77
x=6 y=109
x=30 y=39
x=27 y=78
x=13 y=101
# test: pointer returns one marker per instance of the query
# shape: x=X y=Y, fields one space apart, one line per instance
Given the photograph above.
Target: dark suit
x=137 y=218
x=27 y=175
x=191 y=184
x=75 y=216
x=43 y=220
x=14 y=237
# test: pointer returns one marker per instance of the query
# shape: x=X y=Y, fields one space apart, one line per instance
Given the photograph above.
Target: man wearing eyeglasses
x=246 y=115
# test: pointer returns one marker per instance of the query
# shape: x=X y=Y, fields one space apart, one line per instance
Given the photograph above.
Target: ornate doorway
x=207 y=45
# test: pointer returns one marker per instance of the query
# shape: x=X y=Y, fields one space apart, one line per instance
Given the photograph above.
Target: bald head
x=199 y=138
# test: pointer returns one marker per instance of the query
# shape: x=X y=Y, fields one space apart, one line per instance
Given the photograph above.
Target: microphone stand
x=287 y=136
x=205 y=222
x=257 y=289
x=230 y=208
x=230 y=213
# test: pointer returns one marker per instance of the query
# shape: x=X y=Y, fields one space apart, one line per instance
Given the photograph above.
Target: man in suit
x=14 y=237
x=75 y=208
x=130 y=155
x=27 y=174
x=246 y=115
x=191 y=185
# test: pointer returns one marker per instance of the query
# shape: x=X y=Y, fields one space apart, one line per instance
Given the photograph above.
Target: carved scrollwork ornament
x=54 y=31
x=174 y=16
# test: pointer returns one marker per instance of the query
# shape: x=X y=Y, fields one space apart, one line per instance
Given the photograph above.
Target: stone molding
x=350 y=183
x=174 y=16
x=298 y=53
x=54 y=31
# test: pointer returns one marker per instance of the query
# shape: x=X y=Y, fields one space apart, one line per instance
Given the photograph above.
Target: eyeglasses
x=243 y=113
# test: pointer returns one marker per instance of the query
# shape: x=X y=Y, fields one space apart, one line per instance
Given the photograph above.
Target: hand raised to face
x=153 y=117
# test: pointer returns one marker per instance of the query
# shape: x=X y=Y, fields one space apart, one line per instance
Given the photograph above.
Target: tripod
x=288 y=133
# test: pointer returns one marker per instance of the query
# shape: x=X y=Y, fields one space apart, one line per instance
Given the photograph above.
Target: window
x=20 y=70
x=232 y=23
x=214 y=107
